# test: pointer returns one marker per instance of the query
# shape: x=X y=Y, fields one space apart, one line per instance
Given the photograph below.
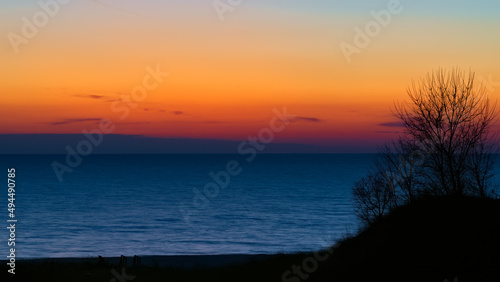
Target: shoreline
x=162 y=261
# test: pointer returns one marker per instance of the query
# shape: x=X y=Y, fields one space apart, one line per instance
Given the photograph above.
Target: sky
x=219 y=72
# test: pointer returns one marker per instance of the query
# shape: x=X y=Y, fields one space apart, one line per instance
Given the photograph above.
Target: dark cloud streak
x=306 y=119
x=392 y=124
x=74 y=120
x=91 y=96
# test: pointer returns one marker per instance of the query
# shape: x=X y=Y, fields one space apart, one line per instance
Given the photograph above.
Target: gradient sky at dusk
x=225 y=77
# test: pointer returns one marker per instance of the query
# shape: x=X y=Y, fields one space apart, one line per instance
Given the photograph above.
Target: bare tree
x=373 y=197
x=453 y=116
x=446 y=148
x=480 y=166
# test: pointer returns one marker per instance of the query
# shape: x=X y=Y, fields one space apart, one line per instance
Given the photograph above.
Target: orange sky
x=227 y=76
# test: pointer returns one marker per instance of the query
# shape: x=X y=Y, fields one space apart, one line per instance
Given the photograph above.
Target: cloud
x=306 y=119
x=91 y=96
x=74 y=120
x=177 y=112
x=392 y=124
x=390 y=132
x=132 y=122
x=214 y=122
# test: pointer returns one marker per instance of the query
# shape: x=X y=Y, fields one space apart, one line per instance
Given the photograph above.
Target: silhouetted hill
x=431 y=240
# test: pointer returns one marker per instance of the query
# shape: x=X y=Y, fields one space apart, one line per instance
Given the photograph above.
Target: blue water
x=145 y=205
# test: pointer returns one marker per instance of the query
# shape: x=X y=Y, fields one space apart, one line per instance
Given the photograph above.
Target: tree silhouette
x=446 y=148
